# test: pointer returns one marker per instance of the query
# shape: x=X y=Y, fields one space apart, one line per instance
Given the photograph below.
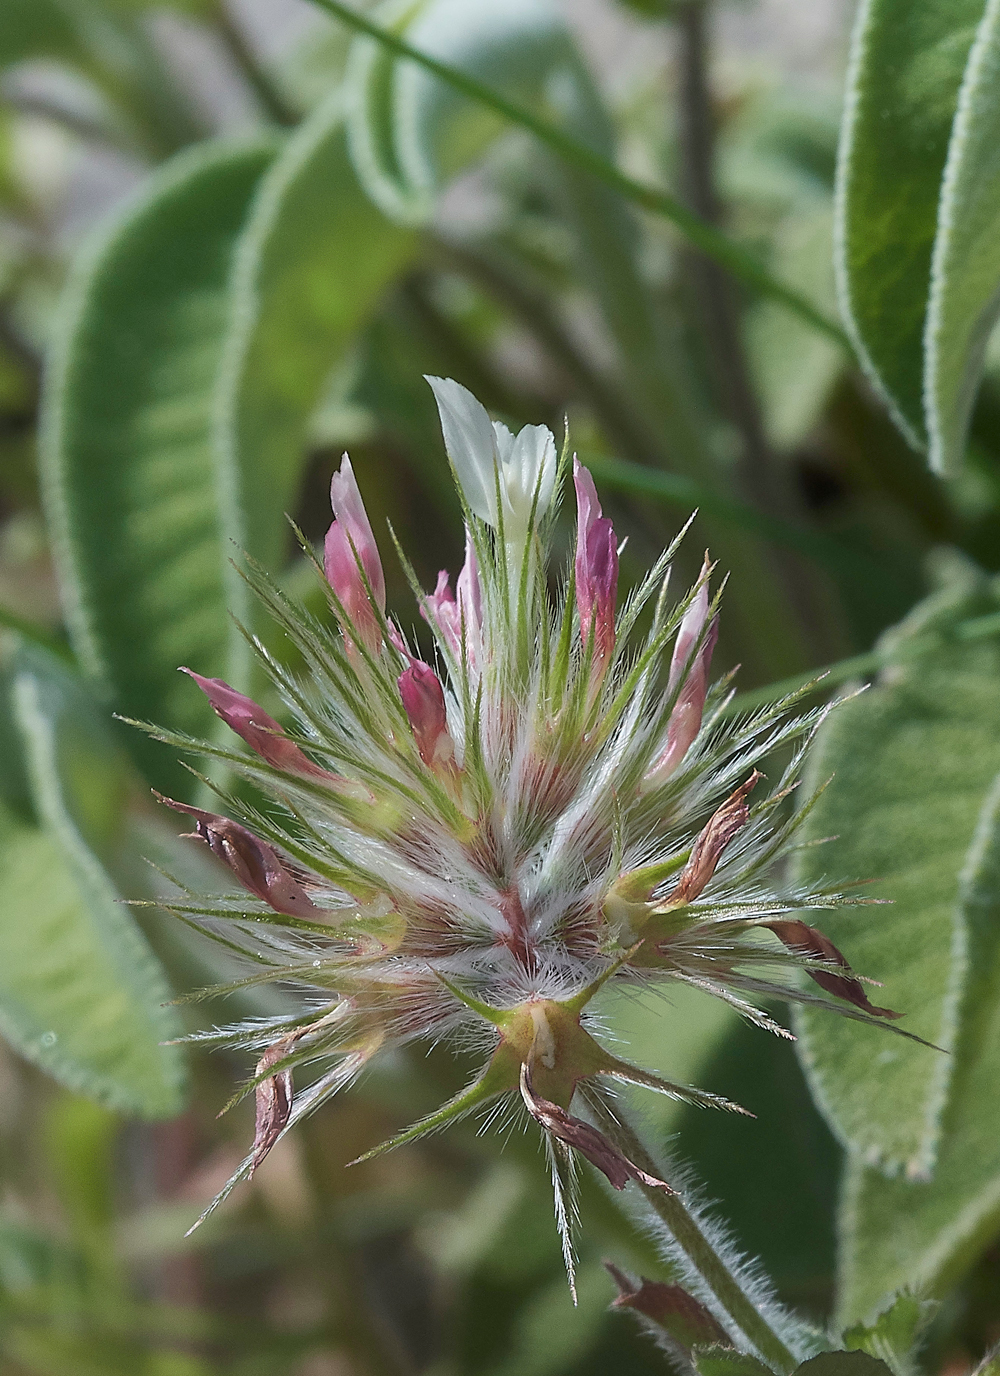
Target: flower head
x=491 y=463
x=472 y=850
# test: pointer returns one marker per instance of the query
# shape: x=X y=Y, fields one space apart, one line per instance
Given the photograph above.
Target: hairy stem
x=690 y=1237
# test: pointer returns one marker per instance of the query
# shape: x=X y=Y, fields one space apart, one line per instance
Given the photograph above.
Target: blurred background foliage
x=232 y=239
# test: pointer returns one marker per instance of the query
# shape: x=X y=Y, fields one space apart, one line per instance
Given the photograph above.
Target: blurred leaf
x=925 y=1233
x=132 y=489
x=906 y=68
x=842 y=1364
x=34 y=28
x=583 y=157
x=893 y=1333
x=965 y=277
x=312 y=263
x=912 y=759
x=796 y=367
x=80 y=991
x=726 y=1361
x=551 y=1335
x=107 y=44
x=80 y=1140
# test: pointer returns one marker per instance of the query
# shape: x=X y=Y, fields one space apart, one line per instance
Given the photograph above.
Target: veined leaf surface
x=131 y=479
x=924 y=1233
x=81 y=993
x=907 y=63
x=965 y=281
x=912 y=760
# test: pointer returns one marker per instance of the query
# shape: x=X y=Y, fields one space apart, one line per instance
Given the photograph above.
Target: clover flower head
x=467 y=842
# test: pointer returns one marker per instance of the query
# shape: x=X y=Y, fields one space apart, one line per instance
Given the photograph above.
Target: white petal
x=504 y=441
x=471 y=444
x=532 y=463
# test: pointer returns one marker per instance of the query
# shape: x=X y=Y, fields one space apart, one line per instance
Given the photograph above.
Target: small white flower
x=480 y=449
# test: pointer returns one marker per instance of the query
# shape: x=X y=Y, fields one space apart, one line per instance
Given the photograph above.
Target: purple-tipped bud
x=350 y=548
x=255 y=864
x=685 y=719
x=451 y=612
x=423 y=701
x=596 y=568
x=260 y=731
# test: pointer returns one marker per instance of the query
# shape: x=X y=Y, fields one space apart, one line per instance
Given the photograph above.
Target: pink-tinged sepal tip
x=257 y=866
x=692 y=675
x=351 y=558
x=596 y=569
x=423 y=701
x=459 y=614
x=257 y=727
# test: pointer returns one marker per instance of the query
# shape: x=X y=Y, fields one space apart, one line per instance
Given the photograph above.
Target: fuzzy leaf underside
x=129 y=470
x=81 y=993
x=925 y=1233
x=965 y=281
x=913 y=759
x=907 y=65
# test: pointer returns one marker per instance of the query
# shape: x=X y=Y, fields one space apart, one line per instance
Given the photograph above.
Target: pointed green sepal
x=499 y=1017
x=623 y=1071
x=499 y=1077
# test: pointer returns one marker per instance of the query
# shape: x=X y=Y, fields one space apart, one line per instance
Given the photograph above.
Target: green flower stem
x=688 y=1234
x=704 y=236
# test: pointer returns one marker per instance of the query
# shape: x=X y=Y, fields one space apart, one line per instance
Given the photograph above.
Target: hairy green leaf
x=842 y=1364
x=80 y=991
x=965 y=277
x=726 y=1361
x=925 y=1233
x=912 y=759
x=131 y=484
x=894 y=1332
x=907 y=62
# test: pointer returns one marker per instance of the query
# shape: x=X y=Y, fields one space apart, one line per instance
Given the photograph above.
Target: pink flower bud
x=685 y=719
x=596 y=568
x=255 y=864
x=423 y=702
x=452 y=613
x=260 y=731
x=349 y=552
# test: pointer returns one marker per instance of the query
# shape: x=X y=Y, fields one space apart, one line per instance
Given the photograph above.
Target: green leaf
x=311 y=266
x=81 y=993
x=912 y=760
x=726 y=1361
x=893 y=1333
x=908 y=57
x=842 y=1364
x=795 y=366
x=965 y=276
x=130 y=482
x=32 y=28
x=926 y=1233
